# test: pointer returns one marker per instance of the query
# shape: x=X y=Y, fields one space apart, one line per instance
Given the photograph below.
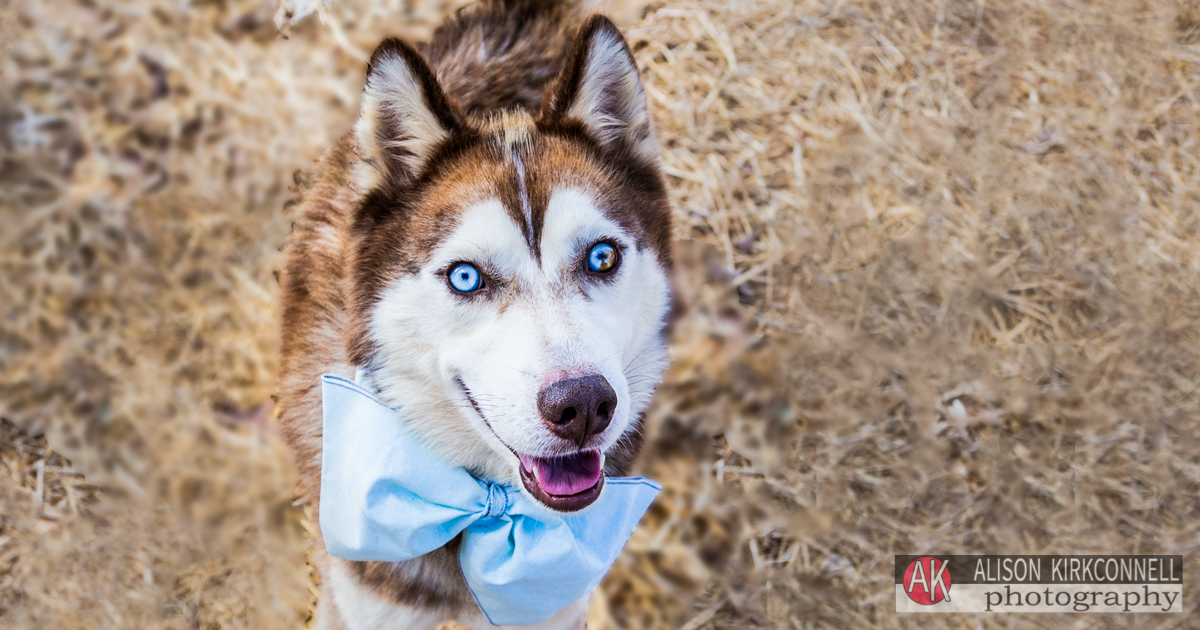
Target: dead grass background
x=943 y=290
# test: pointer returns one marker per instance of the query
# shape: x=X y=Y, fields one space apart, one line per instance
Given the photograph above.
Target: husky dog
x=489 y=247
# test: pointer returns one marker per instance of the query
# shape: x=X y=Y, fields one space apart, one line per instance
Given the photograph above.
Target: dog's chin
x=567 y=483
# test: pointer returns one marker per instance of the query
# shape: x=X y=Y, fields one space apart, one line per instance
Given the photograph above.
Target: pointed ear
x=599 y=89
x=405 y=115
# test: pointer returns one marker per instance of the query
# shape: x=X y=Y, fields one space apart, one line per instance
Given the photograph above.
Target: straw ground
x=941 y=277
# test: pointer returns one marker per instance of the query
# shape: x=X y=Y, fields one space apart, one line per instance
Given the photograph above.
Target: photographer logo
x=927 y=581
x=1039 y=584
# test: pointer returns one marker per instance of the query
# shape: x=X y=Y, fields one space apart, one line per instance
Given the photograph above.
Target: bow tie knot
x=497 y=501
x=386 y=497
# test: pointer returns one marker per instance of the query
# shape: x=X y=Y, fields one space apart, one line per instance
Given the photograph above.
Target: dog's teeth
x=536 y=475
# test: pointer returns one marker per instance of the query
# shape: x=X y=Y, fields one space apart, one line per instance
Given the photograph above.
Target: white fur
x=371 y=612
x=394 y=94
x=609 y=70
x=367 y=610
x=541 y=325
x=523 y=192
x=630 y=312
x=540 y=328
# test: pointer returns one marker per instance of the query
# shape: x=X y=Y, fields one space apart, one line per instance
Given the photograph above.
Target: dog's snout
x=577 y=408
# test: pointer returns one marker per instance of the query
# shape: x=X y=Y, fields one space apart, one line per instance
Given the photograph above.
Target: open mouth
x=567 y=482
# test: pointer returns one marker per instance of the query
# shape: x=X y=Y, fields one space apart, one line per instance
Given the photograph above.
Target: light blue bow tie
x=386 y=497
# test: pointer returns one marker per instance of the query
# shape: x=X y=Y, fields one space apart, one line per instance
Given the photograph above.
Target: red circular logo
x=927 y=581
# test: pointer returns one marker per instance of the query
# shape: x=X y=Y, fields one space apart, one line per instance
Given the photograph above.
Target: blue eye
x=465 y=278
x=603 y=258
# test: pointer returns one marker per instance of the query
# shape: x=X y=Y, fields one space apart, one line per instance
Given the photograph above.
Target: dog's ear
x=599 y=89
x=405 y=116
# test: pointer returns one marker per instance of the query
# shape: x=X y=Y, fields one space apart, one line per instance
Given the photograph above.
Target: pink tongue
x=570 y=474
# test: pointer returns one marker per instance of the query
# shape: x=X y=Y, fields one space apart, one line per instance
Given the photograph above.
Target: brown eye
x=603 y=258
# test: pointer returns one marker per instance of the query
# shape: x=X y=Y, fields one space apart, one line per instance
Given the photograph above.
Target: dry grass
x=944 y=297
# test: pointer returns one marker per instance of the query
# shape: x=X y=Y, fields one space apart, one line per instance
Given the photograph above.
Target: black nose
x=577 y=408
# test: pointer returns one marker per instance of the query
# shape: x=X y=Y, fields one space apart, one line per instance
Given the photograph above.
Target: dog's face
x=510 y=275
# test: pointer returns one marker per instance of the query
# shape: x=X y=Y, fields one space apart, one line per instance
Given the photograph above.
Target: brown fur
x=405 y=223
x=348 y=243
x=521 y=43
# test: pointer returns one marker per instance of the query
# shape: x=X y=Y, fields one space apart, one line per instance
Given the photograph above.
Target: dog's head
x=509 y=275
